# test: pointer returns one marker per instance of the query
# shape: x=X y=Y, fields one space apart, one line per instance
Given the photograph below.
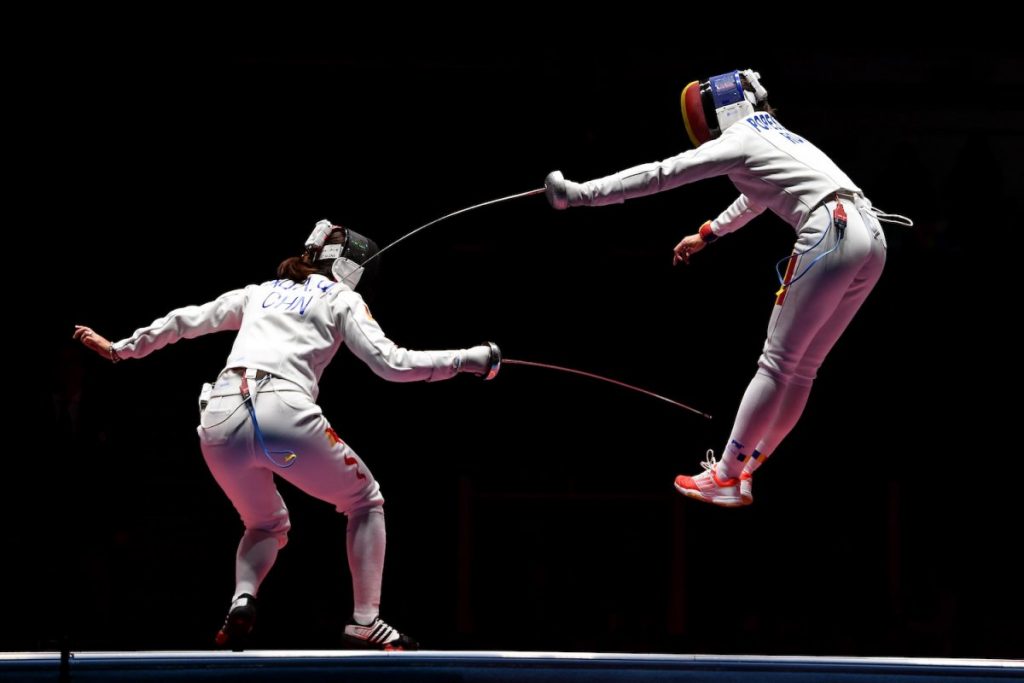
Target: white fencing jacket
x=292 y=330
x=772 y=168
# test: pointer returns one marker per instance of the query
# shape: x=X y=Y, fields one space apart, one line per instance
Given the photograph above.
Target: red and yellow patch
x=333 y=437
x=780 y=296
x=349 y=460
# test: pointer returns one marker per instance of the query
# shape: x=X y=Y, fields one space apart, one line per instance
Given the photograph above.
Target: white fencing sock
x=753 y=418
x=366 y=540
x=257 y=552
x=794 y=400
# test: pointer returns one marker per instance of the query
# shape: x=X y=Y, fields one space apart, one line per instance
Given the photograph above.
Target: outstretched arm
x=713 y=158
x=224 y=313
x=366 y=339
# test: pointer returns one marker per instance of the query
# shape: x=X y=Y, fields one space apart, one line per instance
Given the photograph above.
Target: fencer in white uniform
x=837 y=259
x=260 y=417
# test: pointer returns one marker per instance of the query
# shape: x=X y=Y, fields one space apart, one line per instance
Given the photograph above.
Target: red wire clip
x=839 y=215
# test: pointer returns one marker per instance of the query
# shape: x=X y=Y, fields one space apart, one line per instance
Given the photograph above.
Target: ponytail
x=296 y=269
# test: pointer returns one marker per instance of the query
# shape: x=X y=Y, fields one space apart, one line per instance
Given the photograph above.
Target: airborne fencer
x=838 y=256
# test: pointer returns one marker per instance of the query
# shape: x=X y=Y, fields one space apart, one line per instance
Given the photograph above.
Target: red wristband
x=706 y=234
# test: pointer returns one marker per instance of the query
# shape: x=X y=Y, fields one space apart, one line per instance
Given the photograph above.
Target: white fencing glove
x=484 y=360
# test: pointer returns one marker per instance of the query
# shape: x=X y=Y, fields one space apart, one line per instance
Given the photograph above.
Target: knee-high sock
x=257 y=552
x=753 y=419
x=794 y=400
x=366 y=539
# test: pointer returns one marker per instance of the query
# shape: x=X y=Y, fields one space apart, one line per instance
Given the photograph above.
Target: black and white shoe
x=376 y=636
x=238 y=623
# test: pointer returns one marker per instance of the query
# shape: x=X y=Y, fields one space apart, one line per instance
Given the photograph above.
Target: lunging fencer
x=260 y=417
x=836 y=261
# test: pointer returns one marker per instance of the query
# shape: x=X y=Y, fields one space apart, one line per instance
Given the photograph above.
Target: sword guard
x=492 y=371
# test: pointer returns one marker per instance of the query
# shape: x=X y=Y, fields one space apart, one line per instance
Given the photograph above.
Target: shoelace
x=710 y=463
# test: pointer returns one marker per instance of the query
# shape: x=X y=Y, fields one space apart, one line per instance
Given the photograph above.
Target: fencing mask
x=342 y=251
x=712 y=105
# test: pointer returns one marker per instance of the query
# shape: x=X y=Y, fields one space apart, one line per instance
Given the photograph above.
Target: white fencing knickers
x=324 y=466
x=810 y=315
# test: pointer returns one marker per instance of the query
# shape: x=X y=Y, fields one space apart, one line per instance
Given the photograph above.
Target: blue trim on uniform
x=290 y=456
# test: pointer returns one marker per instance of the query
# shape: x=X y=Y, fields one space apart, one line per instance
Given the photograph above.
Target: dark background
x=535 y=511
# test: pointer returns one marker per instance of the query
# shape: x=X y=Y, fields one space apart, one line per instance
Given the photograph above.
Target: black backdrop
x=535 y=511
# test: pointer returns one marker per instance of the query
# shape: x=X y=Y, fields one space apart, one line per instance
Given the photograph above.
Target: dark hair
x=296 y=269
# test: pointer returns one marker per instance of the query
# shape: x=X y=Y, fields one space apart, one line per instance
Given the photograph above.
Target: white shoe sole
x=721 y=501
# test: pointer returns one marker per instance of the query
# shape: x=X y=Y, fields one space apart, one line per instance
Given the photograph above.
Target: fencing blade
x=624 y=385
